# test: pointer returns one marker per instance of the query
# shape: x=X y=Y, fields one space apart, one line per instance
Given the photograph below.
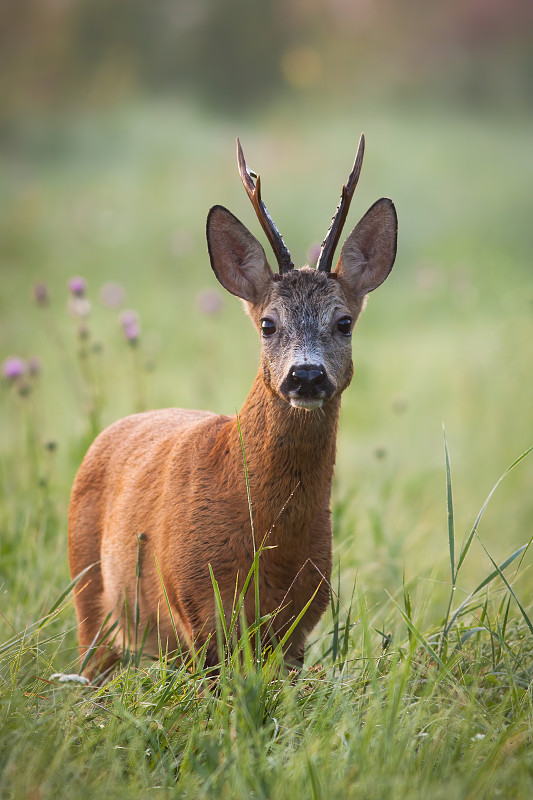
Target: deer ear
x=368 y=254
x=237 y=258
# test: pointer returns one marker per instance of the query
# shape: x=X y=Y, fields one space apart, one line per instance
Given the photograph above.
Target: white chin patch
x=308 y=405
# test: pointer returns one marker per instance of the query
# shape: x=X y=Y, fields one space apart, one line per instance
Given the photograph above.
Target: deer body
x=166 y=490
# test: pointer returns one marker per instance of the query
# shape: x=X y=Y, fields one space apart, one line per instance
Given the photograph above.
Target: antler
x=254 y=193
x=331 y=241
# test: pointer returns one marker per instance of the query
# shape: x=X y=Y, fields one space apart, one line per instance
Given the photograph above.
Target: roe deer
x=177 y=477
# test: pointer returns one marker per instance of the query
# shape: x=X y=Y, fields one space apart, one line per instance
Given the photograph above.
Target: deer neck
x=290 y=454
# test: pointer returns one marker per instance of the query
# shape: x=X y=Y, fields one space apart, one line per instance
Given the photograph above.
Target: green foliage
x=235 y=56
x=418 y=680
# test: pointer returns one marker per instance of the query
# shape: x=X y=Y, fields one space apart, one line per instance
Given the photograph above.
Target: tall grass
x=375 y=712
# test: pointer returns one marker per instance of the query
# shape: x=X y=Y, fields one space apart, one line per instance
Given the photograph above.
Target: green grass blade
x=249 y=497
x=347 y=628
x=137 y=609
x=256 y=562
x=69 y=588
x=218 y=604
x=240 y=600
x=498 y=571
x=449 y=508
x=335 y=610
x=97 y=641
x=166 y=599
x=407 y=605
x=414 y=630
x=140 y=650
x=298 y=618
x=468 y=542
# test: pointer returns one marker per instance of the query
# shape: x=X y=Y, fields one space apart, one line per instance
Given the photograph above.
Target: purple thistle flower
x=77 y=286
x=128 y=317
x=130 y=325
x=132 y=331
x=13 y=368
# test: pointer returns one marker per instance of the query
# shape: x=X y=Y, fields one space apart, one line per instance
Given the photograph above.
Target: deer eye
x=268 y=327
x=344 y=326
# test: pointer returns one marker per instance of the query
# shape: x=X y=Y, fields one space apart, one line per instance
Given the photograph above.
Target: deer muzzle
x=307 y=386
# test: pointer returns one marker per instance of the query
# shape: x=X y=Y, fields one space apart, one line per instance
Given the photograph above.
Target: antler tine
x=331 y=241
x=254 y=193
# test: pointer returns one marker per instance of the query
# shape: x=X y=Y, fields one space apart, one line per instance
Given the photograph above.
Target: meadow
x=418 y=680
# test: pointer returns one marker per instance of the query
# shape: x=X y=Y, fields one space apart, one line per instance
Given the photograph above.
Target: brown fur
x=177 y=477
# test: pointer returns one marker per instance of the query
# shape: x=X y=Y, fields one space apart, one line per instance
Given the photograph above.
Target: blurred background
x=117 y=133
x=237 y=57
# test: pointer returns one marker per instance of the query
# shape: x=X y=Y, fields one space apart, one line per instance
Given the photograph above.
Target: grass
x=418 y=680
x=372 y=715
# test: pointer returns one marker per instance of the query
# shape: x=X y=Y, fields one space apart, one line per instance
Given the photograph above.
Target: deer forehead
x=305 y=297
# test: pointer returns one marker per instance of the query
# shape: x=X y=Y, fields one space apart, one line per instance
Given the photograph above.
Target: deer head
x=305 y=316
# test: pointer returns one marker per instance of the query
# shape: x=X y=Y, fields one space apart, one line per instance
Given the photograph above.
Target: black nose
x=307 y=378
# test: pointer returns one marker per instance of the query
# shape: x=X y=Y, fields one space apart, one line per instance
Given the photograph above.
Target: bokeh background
x=117 y=133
